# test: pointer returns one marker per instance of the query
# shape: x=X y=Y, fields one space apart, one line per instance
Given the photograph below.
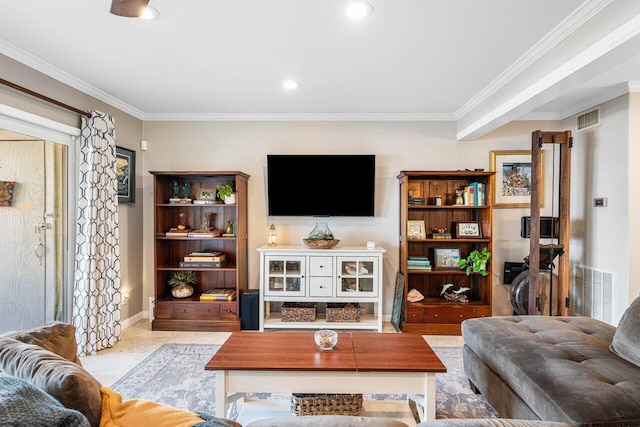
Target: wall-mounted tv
x=321 y=185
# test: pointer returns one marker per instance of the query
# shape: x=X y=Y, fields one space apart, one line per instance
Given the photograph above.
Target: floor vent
x=588 y=119
x=592 y=294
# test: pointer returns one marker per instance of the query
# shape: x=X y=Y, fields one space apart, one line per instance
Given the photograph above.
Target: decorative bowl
x=320 y=244
x=326 y=339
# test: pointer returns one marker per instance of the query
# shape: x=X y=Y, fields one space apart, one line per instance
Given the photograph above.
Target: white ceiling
x=217 y=59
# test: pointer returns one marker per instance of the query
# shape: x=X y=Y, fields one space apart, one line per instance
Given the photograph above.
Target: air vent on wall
x=588 y=119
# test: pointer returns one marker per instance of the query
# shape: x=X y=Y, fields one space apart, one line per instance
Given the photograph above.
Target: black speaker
x=250 y=310
x=511 y=270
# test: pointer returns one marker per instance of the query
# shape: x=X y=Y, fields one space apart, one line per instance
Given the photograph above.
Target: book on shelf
x=418 y=262
x=419 y=258
x=205 y=202
x=413 y=267
x=179 y=200
x=174 y=232
x=214 y=257
x=441 y=235
x=218 y=295
x=203 y=234
x=416 y=200
x=200 y=264
x=228 y=235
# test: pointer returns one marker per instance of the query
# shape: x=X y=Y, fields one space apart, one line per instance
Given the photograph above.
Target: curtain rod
x=44 y=98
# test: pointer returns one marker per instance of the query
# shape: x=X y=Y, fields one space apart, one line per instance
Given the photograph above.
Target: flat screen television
x=321 y=185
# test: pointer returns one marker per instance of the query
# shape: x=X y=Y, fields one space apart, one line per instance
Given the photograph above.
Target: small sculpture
x=230 y=227
x=455 y=296
x=459 y=198
x=176 y=190
x=185 y=190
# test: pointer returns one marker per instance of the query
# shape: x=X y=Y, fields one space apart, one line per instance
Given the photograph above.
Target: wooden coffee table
x=290 y=362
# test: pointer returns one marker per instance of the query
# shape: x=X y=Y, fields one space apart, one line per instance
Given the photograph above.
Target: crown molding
x=56 y=73
x=533 y=116
x=574 y=21
x=299 y=117
x=603 y=46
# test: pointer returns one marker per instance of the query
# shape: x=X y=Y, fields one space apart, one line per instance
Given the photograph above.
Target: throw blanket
x=22 y=404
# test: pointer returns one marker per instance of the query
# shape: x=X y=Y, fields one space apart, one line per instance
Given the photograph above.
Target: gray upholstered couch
x=575 y=370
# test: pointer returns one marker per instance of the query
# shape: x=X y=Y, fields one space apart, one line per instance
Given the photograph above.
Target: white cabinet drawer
x=321 y=286
x=320 y=266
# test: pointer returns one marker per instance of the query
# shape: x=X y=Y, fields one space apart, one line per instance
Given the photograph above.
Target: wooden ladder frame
x=565 y=140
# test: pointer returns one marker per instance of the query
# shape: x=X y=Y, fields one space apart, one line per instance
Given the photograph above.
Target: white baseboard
x=131 y=320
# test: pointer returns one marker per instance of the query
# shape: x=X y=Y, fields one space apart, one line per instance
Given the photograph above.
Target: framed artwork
x=512 y=183
x=468 y=229
x=207 y=194
x=126 y=173
x=398 y=300
x=414 y=189
x=6 y=192
x=446 y=258
x=416 y=230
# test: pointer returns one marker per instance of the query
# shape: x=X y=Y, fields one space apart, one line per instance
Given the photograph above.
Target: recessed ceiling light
x=359 y=9
x=150 y=13
x=290 y=84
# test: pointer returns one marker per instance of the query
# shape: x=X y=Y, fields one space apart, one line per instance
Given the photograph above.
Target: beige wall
x=128 y=135
x=397 y=146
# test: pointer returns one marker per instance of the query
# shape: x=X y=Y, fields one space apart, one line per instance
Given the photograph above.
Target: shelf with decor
x=187 y=203
x=444 y=216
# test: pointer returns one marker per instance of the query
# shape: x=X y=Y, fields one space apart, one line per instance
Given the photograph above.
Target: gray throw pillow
x=626 y=340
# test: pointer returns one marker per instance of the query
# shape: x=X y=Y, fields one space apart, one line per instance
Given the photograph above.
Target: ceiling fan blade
x=128 y=8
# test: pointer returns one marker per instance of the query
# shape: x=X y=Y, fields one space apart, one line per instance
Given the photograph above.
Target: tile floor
x=138 y=341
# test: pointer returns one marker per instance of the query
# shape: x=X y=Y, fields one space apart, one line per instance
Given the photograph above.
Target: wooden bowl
x=320 y=244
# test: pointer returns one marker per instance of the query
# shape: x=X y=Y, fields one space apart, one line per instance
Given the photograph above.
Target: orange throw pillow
x=141 y=413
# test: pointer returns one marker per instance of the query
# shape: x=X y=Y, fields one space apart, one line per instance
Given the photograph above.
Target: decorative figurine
x=230 y=227
x=459 y=198
x=176 y=190
x=455 y=296
x=185 y=190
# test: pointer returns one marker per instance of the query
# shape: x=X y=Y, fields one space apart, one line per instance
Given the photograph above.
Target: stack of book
x=445 y=235
x=174 y=232
x=203 y=260
x=218 y=295
x=416 y=201
x=183 y=200
x=419 y=263
x=203 y=234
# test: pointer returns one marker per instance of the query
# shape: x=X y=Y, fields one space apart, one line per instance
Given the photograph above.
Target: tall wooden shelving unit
x=191 y=314
x=435 y=315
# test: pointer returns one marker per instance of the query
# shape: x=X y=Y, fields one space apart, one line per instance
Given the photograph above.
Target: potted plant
x=181 y=283
x=476 y=262
x=225 y=192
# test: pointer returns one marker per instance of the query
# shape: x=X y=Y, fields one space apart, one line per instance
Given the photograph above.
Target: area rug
x=174 y=375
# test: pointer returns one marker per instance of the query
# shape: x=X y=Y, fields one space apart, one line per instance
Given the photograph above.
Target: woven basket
x=298 y=312
x=338 y=312
x=326 y=404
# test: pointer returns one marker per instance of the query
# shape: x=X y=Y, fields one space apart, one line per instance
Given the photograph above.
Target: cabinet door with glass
x=285 y=276
x=357 y=277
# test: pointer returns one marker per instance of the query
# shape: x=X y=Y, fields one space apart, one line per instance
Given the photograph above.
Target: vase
x=321 y=232
x=182 y=290
x=230 y=199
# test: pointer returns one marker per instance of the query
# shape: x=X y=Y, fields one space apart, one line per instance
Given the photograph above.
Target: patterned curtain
x=96 y=289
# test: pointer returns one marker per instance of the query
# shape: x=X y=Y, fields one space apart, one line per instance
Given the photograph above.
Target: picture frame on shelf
x=207 y=194
x=126 y=175
x=416 y=230
x=468 y=230
x=446 y=258
x=414 y=189
x=513 y=178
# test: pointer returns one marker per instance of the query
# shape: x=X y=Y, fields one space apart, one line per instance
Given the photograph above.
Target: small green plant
x=476 y=262
x=186 y=277
x=225 y=189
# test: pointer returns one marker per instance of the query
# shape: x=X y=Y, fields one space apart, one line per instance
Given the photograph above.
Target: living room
x=602 y=163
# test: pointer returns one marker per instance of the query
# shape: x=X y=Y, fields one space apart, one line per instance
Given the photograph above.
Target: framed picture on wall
x=512 y=183
x=126 y=174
